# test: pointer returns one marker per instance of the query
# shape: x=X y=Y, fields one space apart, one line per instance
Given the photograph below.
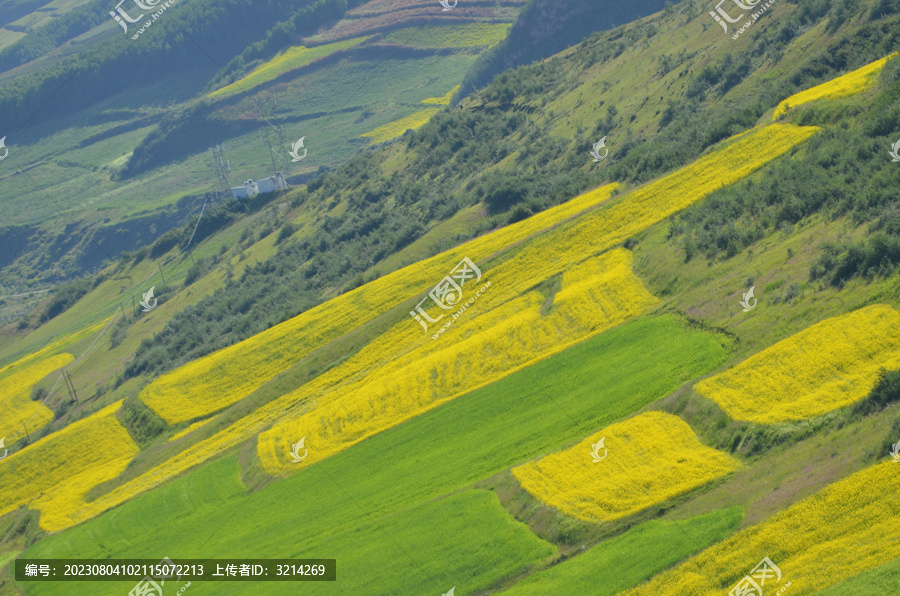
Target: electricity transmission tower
x=273 y=135
x=221 y=168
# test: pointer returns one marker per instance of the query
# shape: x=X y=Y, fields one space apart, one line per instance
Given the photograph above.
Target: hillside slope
x=581 y=296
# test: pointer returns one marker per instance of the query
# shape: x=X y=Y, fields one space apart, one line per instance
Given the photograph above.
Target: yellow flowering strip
x=290 y=59
x=220 y=379
x=64 y=466
x=189 y=429
x=849 y=84
x=15 y=396
x=644 y=461
x=444 y=100
x=639 y=209
x=53 y=346
x=844 y=529
x=832 y=364
x=396 y=128
x=595 y=296
x=228 y=375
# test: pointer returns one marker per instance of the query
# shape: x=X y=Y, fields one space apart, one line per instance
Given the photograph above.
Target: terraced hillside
x=488 y=354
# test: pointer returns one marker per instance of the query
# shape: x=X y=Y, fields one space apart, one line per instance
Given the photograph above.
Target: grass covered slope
x=535 y=410
x=396 y=128
x=449 y=36
x=621 y=562
x=827 y=366
x=292 y=58
x=646 y=460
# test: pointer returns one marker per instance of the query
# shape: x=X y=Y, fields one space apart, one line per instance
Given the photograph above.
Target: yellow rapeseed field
x=841 y=531
x=444 y=100
x=213 y=382
x=15 y=397
x=849 y=84
x=644 y=461
x=226 y=376
x=394 y=129
x=64 y=466
x=831 y=364
x=408 y=374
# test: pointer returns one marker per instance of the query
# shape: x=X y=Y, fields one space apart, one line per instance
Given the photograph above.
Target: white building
x=272 y=183
x=247 y=190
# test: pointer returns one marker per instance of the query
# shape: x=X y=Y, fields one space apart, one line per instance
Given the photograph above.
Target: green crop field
x=626 y=560
x=535 y=410
x=877 y=582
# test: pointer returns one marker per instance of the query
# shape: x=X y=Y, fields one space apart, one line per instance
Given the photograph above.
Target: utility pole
x=70 y=386
x=264 y=133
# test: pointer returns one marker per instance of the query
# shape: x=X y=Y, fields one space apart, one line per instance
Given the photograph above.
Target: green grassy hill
x=710 y=199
